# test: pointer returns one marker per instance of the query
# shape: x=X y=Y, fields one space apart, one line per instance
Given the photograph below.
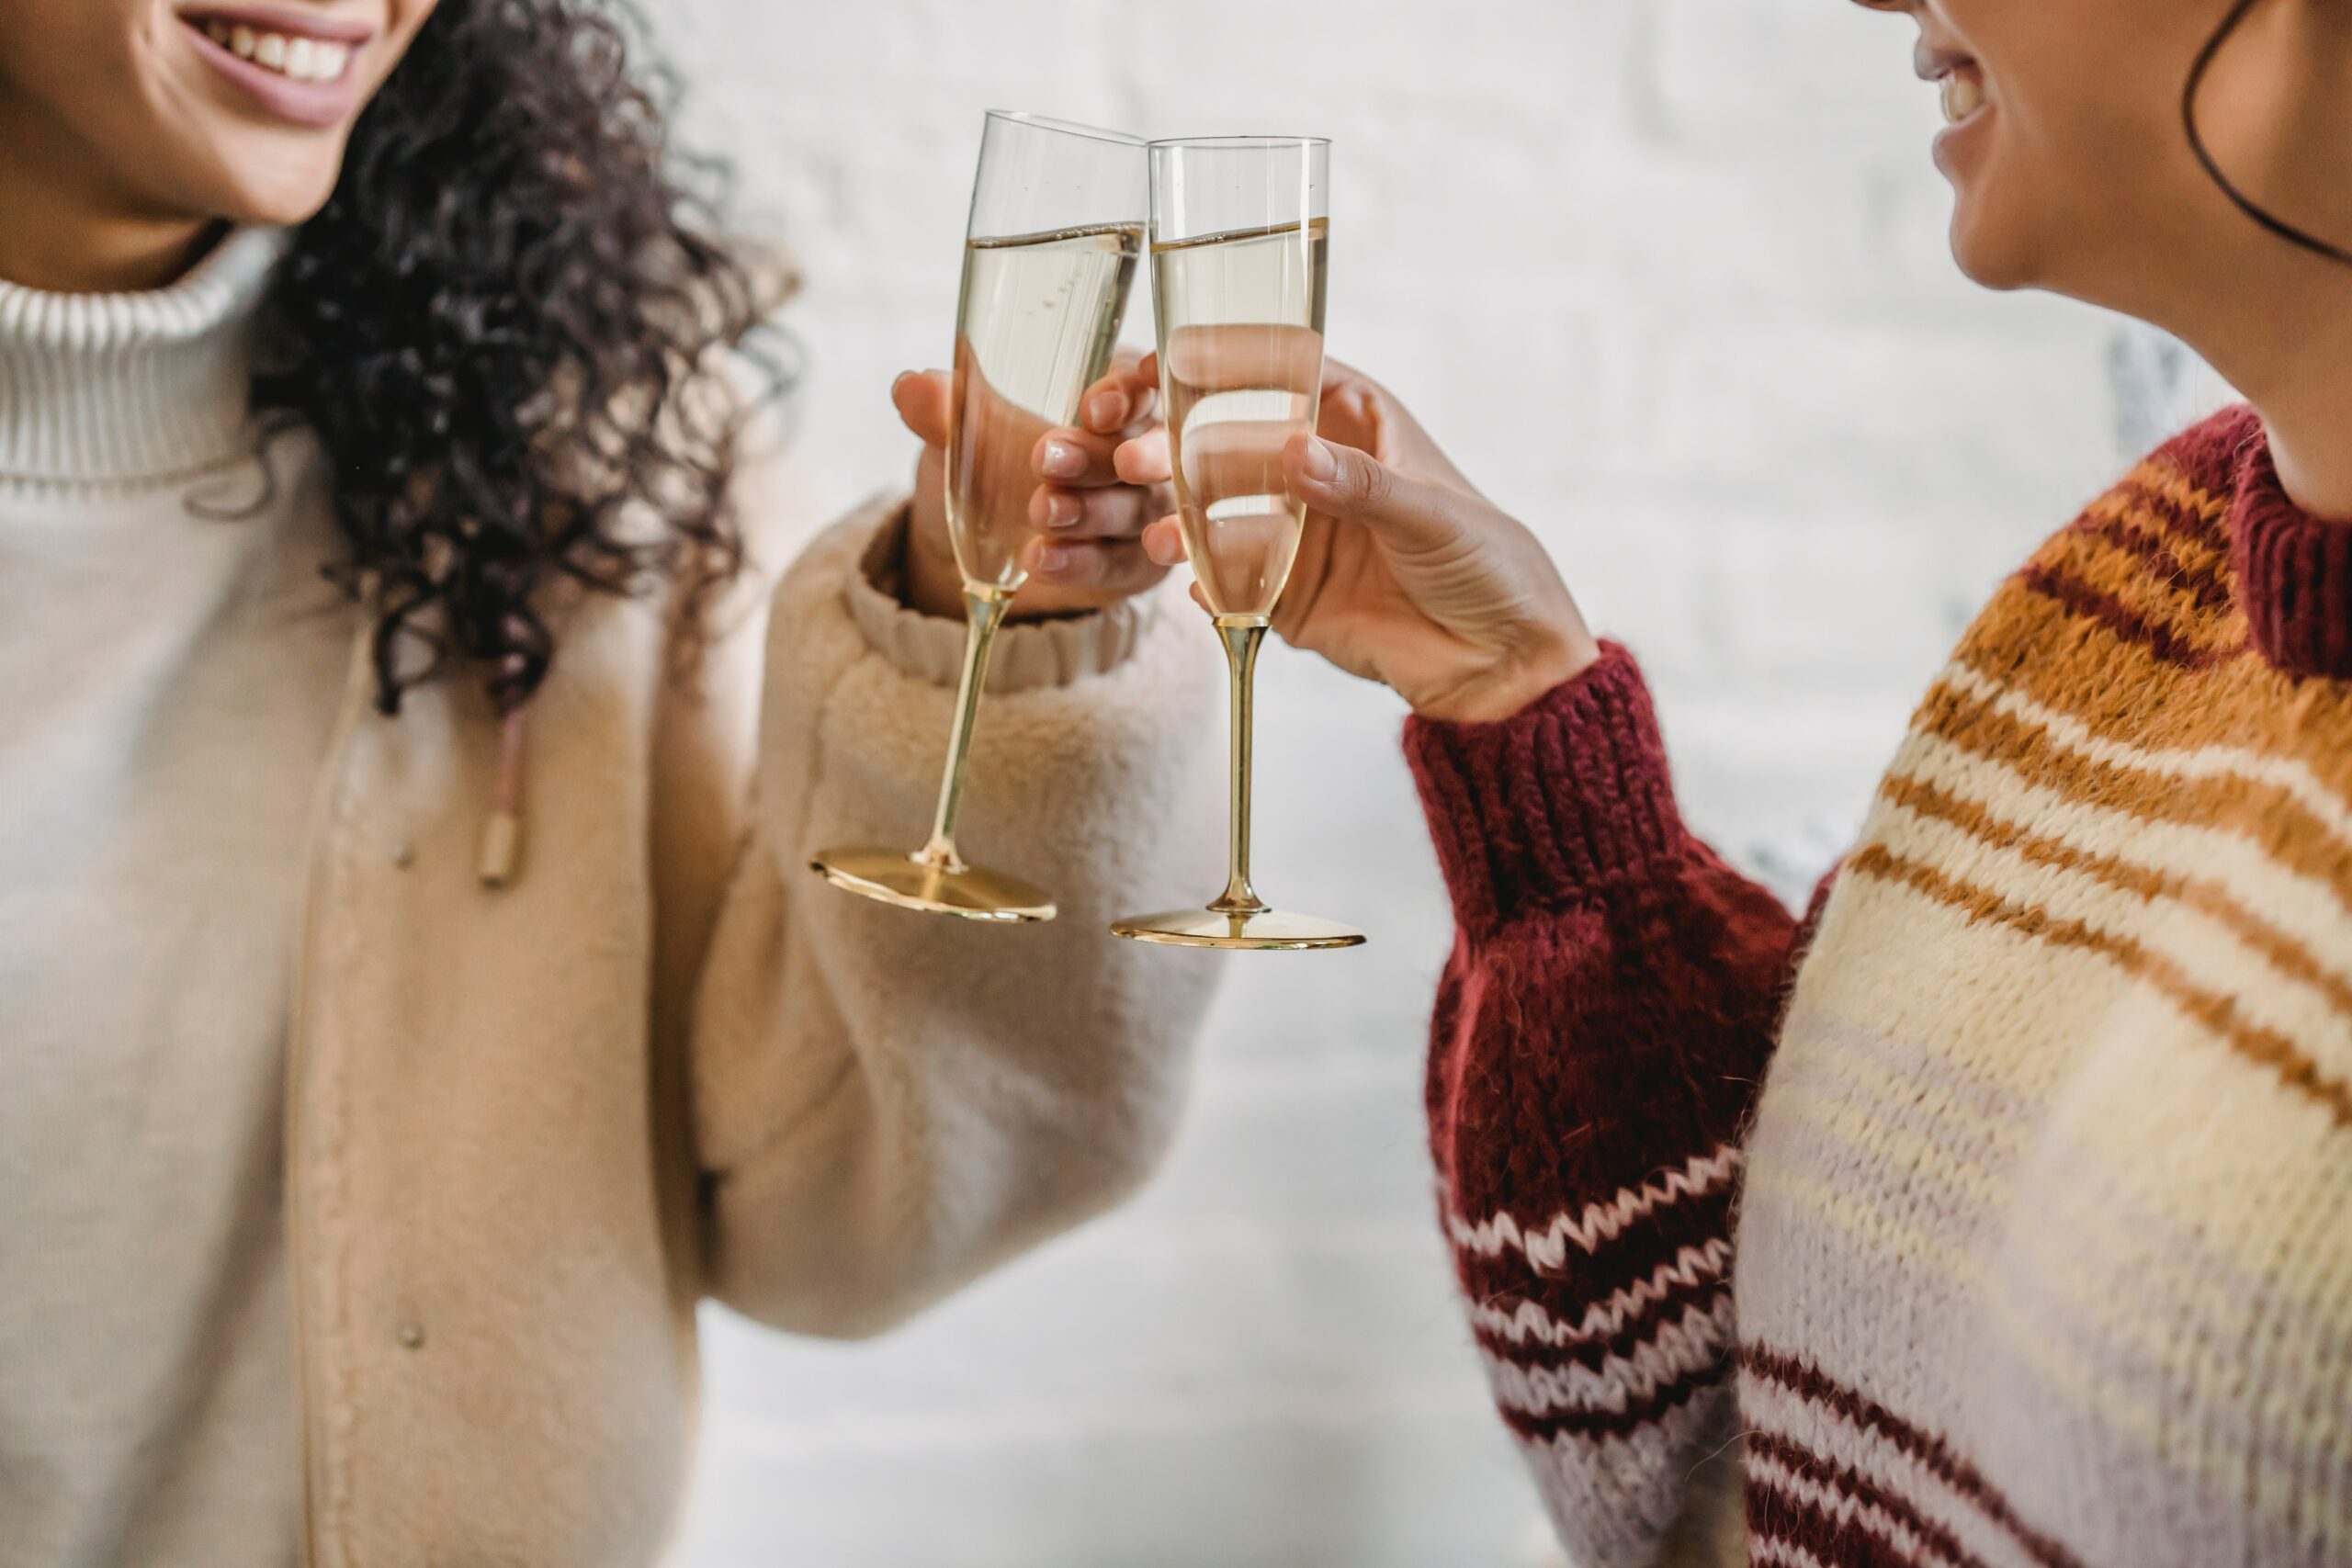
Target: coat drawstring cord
x=501 y=835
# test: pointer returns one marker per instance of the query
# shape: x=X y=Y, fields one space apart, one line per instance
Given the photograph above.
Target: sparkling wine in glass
x=1057 y=228
x=1240 y=236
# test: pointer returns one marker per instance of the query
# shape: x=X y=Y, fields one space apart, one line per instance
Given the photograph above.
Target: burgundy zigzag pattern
x=1635 y=1255
x=1641 y=1325
x=1638 y=1413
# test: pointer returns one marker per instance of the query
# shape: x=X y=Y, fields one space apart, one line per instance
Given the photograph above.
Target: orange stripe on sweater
x=2119 y=618
x=2120 y=692
x=2198 y=511
x=2265 y=814
x=2283 y=952
x=2187 y=570
x=2265 y=1047
x=2119 y=569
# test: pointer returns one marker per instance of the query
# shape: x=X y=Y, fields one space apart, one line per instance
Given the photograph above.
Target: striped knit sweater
x=2034 y=1250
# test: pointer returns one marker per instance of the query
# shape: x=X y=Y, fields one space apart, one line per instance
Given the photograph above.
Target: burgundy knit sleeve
x=1600 y=1032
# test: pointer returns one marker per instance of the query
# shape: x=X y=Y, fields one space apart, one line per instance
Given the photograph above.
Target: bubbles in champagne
x=1241 y=366
x=1036 y=325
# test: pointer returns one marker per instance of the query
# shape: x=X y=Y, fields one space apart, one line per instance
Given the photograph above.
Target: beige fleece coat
x=530 y=1129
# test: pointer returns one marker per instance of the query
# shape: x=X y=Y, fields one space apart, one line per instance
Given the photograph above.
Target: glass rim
x=1237 y=142
x=1066 y=127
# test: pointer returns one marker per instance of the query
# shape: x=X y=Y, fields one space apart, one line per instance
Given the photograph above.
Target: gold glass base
x=893 y=876
x=1267 y=931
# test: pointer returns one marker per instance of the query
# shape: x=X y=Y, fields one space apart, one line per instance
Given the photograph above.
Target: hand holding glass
x=1239 y=240
x=1055 y=231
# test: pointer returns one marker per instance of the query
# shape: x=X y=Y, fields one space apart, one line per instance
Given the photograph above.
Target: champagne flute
x=1240 y=234
x=1055 y=231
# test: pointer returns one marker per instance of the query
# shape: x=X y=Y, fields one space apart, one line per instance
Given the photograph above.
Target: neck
x=2310 y=441
x=70 y=230
x=2283 y=336
x=114 y=259
x=2272 y=317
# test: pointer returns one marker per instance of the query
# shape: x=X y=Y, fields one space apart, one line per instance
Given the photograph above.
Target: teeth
x=302 y=58
x=1964 y=93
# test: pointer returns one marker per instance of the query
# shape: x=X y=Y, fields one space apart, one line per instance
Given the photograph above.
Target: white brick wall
x=1669 y=276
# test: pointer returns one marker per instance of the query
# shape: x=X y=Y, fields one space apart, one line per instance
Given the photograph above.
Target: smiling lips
x=302 y=58
x=1956 y=76
x=295 y=66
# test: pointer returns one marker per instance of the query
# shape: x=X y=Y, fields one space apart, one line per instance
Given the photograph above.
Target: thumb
x=1406 y=511
x=921 y=397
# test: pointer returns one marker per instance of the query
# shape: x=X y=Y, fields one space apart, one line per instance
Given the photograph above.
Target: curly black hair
x=505 y=327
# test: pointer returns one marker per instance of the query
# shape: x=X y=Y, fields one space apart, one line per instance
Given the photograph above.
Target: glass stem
x=983 y=614
x=1241 y=636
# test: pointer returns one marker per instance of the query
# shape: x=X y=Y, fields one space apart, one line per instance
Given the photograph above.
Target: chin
x=277 y=188
x=1991 y=252
x=282 y=209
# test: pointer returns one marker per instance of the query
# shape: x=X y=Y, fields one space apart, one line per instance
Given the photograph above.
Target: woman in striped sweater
x=2003 y=1207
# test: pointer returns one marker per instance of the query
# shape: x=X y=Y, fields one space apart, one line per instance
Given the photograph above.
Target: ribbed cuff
x=1028 y=654
x=1567 y=802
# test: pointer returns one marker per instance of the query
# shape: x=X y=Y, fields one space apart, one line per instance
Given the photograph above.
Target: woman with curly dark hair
x=425 y=681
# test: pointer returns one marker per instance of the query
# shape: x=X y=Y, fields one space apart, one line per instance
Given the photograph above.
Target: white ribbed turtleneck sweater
x=170 y=661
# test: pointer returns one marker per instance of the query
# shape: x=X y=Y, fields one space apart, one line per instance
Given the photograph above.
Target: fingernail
x=1062 y=510
x=1051 y=558
x=1063 y=461
x=1320 y=464
x=1107 y=410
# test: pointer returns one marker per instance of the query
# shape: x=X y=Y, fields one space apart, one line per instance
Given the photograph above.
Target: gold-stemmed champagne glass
x=1056 y=232
x=1240 y=231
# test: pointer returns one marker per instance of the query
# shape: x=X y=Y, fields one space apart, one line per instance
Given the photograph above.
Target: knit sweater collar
x=2294 y=570
x=131 y=389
